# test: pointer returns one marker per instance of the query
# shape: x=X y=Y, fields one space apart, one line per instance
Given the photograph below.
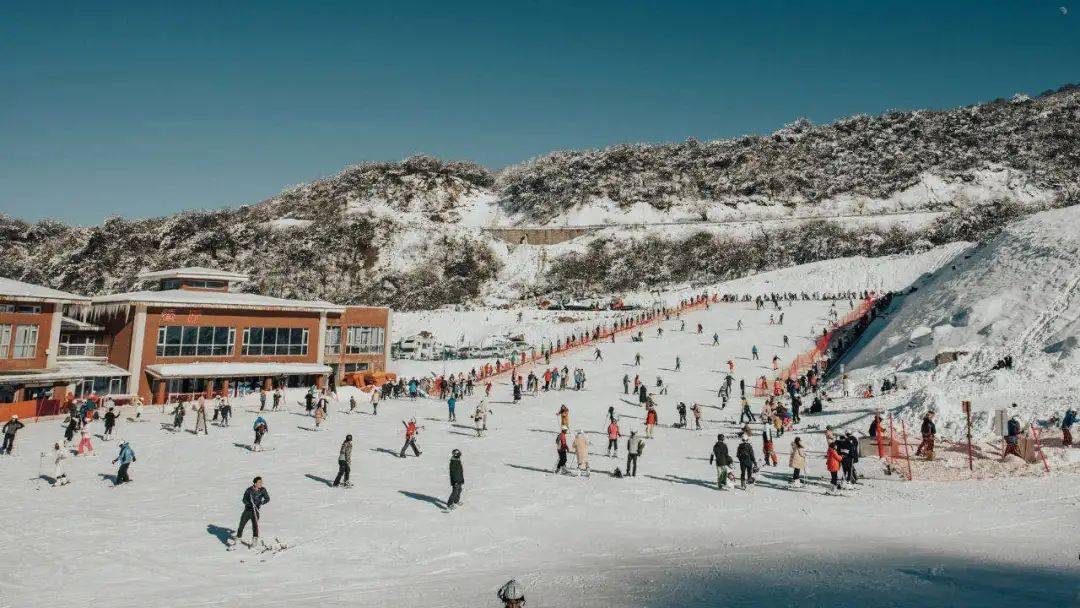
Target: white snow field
x=667 y=538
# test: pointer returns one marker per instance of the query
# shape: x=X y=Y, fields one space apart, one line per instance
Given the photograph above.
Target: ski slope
x=666 y=538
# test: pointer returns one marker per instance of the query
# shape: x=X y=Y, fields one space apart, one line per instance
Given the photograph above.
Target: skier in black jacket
x=457 y=480
x=110 y=423
x=254 y=498
x=747 y=462
x=723 y=461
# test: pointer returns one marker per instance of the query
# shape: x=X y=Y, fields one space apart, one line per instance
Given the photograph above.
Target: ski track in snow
x=664 y=538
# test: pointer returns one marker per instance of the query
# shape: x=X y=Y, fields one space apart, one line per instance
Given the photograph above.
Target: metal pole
x=971 y=462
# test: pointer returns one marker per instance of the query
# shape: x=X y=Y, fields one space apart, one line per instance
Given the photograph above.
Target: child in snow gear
x=59 y=456
x=125 y=458
x=10 y=429
x=344 y=462
x=84 y=442
x=651 y=420
x=723 y=461
x=768 y=449
x=411 y=431
x=254 y=498
x=457 y=480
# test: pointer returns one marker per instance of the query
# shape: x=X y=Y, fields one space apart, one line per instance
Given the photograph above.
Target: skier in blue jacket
x=125 y=458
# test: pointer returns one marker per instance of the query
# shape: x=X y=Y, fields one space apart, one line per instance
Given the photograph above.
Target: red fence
x=35 y=408
x=490 y=370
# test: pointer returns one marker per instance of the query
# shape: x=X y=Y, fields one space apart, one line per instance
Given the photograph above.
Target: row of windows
x=25 y=308
x=263 y=341
x=25 y=346
x=195 y=341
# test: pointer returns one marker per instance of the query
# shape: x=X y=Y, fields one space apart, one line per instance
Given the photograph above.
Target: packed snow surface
x=665 y=538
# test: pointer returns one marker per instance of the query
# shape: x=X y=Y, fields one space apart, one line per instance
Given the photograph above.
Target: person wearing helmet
x=512 y=594
x=457 y=480
x=10 y=429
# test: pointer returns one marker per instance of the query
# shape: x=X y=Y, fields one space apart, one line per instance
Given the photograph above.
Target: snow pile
x=1018 y=295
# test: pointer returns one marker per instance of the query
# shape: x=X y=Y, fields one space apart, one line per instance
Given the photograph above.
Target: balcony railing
x=95 y=351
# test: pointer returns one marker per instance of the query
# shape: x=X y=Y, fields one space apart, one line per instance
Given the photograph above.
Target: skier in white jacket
x=59 y=456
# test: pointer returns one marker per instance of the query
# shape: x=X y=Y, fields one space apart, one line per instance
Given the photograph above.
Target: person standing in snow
x=344 y=463
x=626 y=384
x=319 y=414
x=200 y=417
x=678 y=363
x=832 y=464
x=480 y=418
x=768 y=448
x=375 y=396
x=262 y=399
x=797 y=461
x=599 y=356
x=723 y=461
x=10 y=428
x=715 y=339
x=747 y=462
x=125 y=458
x=696 y=409
x=178 y=416
x=352 y=403
x=746 y=413
x=1067 y=422
x=451 y=404
x=851 y=457
x=613 y=438
x=457 y=480
x=581 y=451
x=84 y=443
x=564 y=416
x=254 y=498
x=929 y=430
x=276 y=401
x=59 y=456
x=651 y=419
x=561 y=447
x=754 y=352
x=634 y=446
x=411 y=430
x=69 y=431
x=110 y=423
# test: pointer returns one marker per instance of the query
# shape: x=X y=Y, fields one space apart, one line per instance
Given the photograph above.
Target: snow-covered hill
x=1017 y=295
x=414 y=234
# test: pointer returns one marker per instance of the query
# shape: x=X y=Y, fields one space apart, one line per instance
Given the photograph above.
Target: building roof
x=67 y=370
x=193 y=272
x=214 y=299
x=230 y=370
x=12 y=289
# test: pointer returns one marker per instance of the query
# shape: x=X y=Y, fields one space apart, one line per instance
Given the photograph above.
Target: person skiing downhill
x=125 y=458
x=457 y=480
x=723 y=461
x=261 y=428
x=10 y=428
x=254 y=498
x=411 y=430
x=344 y=463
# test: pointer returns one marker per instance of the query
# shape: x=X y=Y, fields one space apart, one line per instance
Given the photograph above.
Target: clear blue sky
x=142 y=109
